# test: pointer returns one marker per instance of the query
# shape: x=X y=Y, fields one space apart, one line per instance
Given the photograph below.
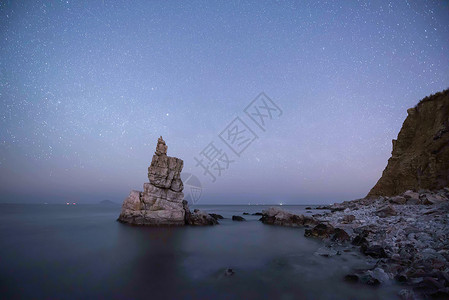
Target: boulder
x=410 y=195
x=359 y=240
x=340 y=236
x=276 y=216
x=321 y=230
x=238 y=218
x=216 y=216
x=375 y=251
x=201 y=218
x=386 y=211
x=431 y=199
x=398 y=200
x=413 y=201
x=348 y=219
x=352 y=278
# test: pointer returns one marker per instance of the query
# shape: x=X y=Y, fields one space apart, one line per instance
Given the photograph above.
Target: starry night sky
x=86 y=88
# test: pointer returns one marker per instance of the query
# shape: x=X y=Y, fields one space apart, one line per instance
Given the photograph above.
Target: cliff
x=420 y=155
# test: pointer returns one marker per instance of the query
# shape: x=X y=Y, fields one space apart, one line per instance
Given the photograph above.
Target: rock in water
x=276 y=216
x=161 y=202
x=420 y=156
x=238 y=218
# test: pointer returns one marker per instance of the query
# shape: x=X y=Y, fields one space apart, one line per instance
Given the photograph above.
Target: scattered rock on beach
x=386 y=211
x=347 y=219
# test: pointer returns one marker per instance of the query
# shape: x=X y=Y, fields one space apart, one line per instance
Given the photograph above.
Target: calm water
x=81 y=252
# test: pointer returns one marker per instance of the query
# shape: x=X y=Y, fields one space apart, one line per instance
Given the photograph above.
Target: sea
x=81 y=252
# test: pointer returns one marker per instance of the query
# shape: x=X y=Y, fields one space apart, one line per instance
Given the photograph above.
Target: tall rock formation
x=161 y=202
x=420 y=156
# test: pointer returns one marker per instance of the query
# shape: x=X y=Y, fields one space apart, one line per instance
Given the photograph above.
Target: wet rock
x=320 y=231
x=340 y=236
x=375 y=251
x=323 y=207
x=410 y=195
x=359 y=240
x=229 y=272
x=238 y=218
x=327 y=252
x=402 y=278
x=440 y=294
x=406 y=294
x=308 y=207
x=369 y=280
x=398 y=200
x=413 y=201
x=430 y=199
x=348 y=219
x=216 y=216
x=352 y=278
x=386 y=211
x=257 y=214
x=276 y=216
x=201 y=218
x=245 y=213
x=431 y=287
x=379 y=274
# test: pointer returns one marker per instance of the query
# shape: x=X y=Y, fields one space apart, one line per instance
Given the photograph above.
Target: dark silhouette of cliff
x=420 y=155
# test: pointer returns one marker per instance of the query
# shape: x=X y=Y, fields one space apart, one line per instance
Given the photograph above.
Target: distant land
x=107 y=202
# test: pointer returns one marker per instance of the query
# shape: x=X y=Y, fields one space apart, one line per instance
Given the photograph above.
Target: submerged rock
x=238 y=218
x=229 y=272
x=353 y=278
x=199 y=218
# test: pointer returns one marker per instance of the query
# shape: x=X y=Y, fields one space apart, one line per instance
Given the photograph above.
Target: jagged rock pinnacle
x=161 y=147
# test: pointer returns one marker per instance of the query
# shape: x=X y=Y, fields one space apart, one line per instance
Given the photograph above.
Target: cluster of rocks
x=162 y=201
x=405 y=236
x=408 y=233
x=276 y=216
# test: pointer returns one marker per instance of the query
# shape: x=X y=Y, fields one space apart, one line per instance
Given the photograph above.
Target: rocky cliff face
x=161 y=202
x=420 y=156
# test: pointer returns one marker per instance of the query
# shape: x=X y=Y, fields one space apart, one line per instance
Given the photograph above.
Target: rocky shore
x=405 y=237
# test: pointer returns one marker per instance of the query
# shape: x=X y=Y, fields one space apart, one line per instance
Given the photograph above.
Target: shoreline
x=405 y=237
